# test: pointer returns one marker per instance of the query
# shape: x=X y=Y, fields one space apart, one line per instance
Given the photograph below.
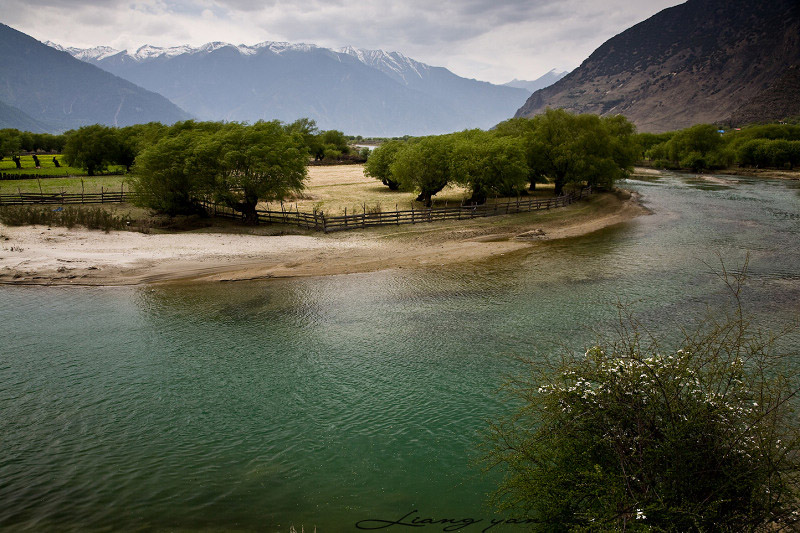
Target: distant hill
x=58 y=92
x=539 y=83
x=366 y=92
x=700 y=61
x=11 y=117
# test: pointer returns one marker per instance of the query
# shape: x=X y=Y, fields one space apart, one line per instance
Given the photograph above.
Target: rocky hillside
x=701 y=61
x=779 y=100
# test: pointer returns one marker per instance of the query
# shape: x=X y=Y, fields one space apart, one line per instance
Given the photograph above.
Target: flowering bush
x=632 y=437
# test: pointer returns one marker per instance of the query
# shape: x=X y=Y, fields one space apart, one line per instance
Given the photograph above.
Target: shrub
x=632 y=436
x=90 y=217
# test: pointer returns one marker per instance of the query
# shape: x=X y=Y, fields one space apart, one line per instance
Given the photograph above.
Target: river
x=329 y=401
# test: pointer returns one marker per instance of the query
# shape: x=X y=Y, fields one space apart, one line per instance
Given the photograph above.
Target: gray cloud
x=494 y=40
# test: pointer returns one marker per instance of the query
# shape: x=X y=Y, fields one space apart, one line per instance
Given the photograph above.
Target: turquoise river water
x=330 y=401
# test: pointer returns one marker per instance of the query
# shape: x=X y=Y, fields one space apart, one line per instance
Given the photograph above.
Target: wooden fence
x=318 y=220
x=64 y=198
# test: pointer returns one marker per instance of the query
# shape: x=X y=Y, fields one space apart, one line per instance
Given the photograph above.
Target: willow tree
x=379 y=163
x=581 y=148
x=523 y=130
x=261 y=162
x=92 y=148
x=423 y=166
x=167 y=176
x=488 y=165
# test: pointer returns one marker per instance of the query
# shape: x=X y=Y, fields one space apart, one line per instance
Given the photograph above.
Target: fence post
x=397 y=214
x=412 y=212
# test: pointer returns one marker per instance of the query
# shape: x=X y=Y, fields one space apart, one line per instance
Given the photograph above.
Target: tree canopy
x=489 y=165
x=92 y=148
x=556 y=146
x=255 y=163
x=379 y=163
x=571 y=148
x=706 y=147
x=236 y=164
x=422 y=165
x=168 y=176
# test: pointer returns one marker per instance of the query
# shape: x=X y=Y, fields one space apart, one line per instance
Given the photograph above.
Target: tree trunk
x=478 y=197
x=248 y=209
x=559 y=187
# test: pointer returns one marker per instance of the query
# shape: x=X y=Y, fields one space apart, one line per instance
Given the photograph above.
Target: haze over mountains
x=539 y=83
x=42 y=89
x=718 y=61
x=367 y=92
x=701 y=61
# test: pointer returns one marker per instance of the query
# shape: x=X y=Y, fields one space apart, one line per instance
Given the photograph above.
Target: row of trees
x=556 y=146
x=14 y=141
x=235 y=164
x=94 y=148
x=704 y=146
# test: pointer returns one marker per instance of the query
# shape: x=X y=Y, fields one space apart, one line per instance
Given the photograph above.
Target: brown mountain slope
x=778 y=101
x=695 y=62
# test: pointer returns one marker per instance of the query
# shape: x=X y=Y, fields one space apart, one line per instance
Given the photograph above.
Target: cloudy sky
x=492 y=40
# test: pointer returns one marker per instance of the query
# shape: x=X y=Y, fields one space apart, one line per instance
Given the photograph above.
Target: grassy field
x=334 y=188
x=331 y=189
x=73 y=184
x=47 y=166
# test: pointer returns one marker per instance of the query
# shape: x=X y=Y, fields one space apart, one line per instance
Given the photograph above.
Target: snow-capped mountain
x=45 y=90
x=394 y=64
x=367 y=92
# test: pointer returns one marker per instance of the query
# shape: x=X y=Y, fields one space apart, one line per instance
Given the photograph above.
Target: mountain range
x=366 y=92
x=713 y=61
x=42 y=89
x=539 y=83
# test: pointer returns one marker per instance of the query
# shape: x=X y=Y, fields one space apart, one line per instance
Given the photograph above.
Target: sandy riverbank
x=58 y=256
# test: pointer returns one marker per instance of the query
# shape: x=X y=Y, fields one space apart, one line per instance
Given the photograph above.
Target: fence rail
x=61 y=198
x=318 y=220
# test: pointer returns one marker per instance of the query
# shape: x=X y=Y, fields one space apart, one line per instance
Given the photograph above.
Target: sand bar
x=41 y=255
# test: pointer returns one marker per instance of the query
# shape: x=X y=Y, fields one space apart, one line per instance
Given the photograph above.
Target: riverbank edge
x=766 y=173
x=37 y=255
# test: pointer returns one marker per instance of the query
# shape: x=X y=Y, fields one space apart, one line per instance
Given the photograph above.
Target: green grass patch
x=47 y=167
x=69 y=184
